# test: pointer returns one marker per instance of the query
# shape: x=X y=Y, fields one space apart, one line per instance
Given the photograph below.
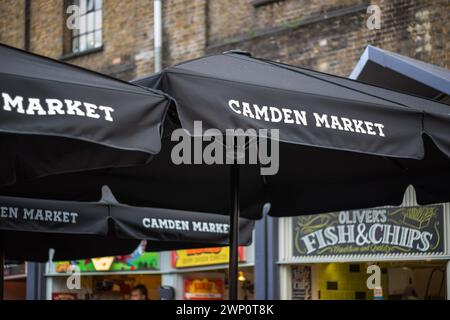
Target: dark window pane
x=354 y=268
x=360 y=296
x=90 y=5
x=332 y=285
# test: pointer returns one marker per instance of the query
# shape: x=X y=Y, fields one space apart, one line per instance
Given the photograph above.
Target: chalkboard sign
x=371 y=231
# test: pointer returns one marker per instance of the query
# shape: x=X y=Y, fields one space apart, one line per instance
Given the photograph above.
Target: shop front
x=15 y=281
x=379 y=253
x=189 y=274
x=106 y=278
x=204 y=273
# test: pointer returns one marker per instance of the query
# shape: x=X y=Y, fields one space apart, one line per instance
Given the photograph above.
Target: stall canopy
x=343 y=145
x=58 y=118
x=30 y=227
x=353 y=144
x=55 y=116
x=395 y=71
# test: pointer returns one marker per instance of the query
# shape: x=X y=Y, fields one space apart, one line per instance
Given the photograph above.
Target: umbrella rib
x=351 y=80
x=193 y=74
x=334 y=83
x=294 y=69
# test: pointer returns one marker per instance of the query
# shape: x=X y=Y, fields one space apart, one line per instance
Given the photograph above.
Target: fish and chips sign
x=377 y=231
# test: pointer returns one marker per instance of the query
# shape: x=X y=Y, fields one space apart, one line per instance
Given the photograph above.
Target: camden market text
x=52 y=107
x=33 y=214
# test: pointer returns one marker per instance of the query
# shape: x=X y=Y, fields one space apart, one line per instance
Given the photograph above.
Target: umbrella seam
x=194 y=74
x=343 y=86
x=407 y=109
x=287 y=67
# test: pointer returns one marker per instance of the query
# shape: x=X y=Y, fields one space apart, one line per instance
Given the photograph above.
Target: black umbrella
x=75 y=230
x=59 y=118
x=54 y=117
x=30 y=227
x=343 y=145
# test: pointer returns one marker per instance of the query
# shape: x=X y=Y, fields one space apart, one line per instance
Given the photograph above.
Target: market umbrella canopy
x=343 y=144
x=59 y=118
x=353 y=144
x=158 y=184
x=30 y=227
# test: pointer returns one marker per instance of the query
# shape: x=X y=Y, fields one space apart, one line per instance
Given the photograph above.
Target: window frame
x=83 y=37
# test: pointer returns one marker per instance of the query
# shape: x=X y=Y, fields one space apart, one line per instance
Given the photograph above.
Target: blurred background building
x=117 y=37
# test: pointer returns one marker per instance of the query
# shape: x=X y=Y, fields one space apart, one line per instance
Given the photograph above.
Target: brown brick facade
x=332 y=37
x=12 y=22
x=324 y=35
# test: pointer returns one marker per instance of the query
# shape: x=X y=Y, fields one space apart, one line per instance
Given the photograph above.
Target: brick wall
x=184 y=30
x=127 y=34
x=46 y=27
x=325 y=35
x=331 y=37
x=127 y=40
x=12 y=22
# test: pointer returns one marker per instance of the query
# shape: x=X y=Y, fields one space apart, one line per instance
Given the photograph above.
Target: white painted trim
x=361 y=258
x=285 y=283
x=360 y=65
x=16 y=277
x=157 y=36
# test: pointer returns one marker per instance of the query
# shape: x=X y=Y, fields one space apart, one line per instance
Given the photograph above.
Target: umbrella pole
x=234 y=234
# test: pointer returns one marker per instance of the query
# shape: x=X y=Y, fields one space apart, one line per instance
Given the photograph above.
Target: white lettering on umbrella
x=299 y=117
x=185 y=225
x=169 y=224
x=34 y=214
x=346 y=124
x=51 y=107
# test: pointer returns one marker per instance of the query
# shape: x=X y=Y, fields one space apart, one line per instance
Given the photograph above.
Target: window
x=332 y=285
x=89 y=34
x=354 y=268
x=261 y=3
x=359 y=295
